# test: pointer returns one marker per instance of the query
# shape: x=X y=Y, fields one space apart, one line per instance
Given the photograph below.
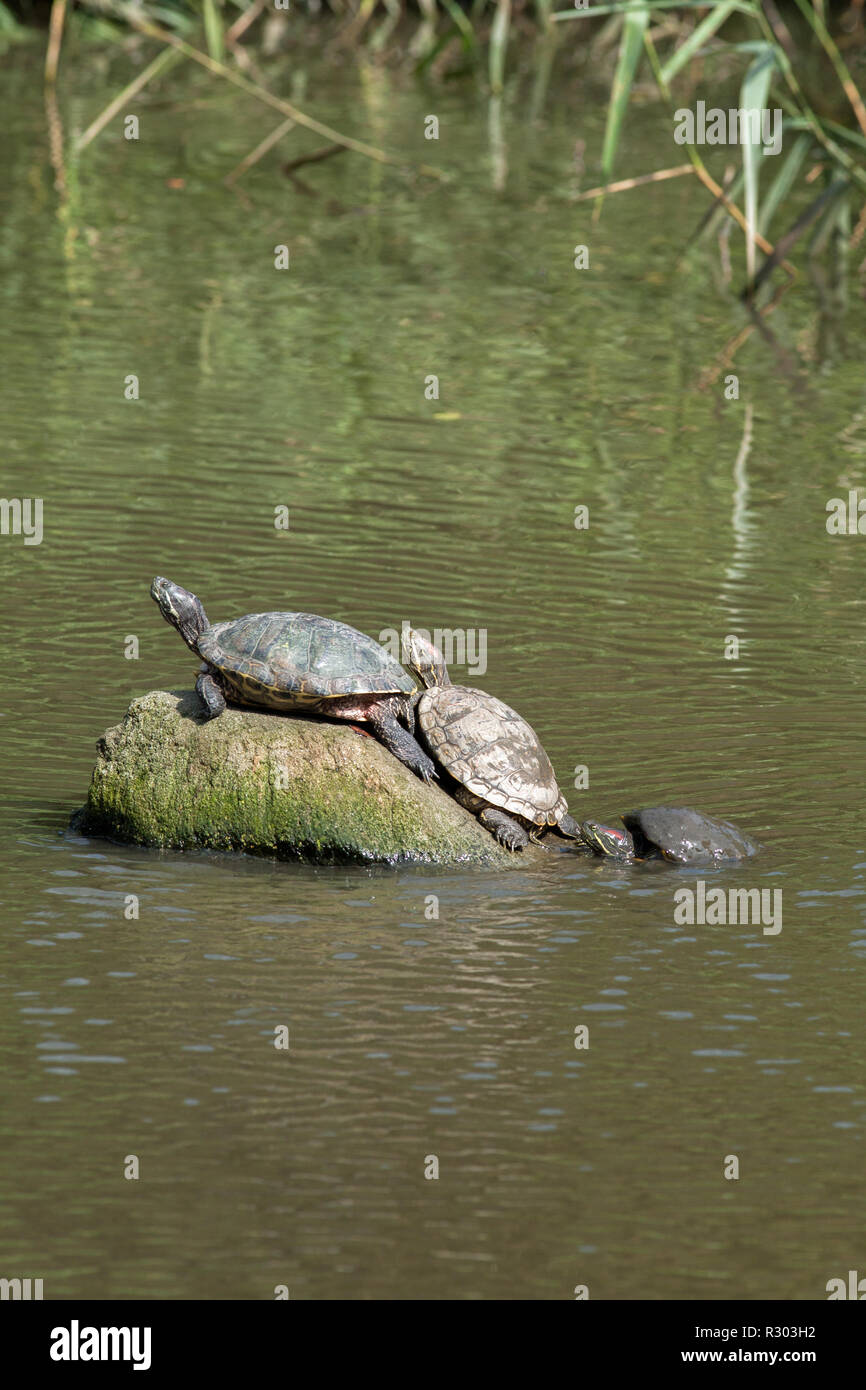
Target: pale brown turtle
x=494 y=761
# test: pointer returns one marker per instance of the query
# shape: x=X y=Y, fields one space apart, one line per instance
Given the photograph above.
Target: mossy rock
x=270 y=784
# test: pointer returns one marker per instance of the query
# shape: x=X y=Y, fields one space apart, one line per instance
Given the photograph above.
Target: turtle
x=298 y=661
x=494 y=762
x=679 y=834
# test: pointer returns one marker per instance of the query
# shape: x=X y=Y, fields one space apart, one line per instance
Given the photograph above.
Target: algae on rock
x=269 y=784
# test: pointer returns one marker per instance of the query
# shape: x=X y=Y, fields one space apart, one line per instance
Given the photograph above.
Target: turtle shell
x=492 y=751
x=301 y=657
x=686 y=836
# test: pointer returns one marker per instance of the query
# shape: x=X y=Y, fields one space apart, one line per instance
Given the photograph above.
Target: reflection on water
x=154 y=1035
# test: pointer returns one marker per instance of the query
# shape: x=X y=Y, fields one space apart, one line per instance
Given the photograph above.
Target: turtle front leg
x=400 y=742
x=209 y=692
x=507 y=831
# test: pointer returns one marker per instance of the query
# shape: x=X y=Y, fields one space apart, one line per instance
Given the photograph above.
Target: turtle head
x=609 y=841
x=180 y=608
x=424 y=658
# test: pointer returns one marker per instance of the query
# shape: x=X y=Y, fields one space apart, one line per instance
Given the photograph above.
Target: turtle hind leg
x=209 y=692
x=504 y=828
x=400 y=742
x=507 y=831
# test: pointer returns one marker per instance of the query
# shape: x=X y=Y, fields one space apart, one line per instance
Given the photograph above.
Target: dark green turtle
x=679 y=834
x=297 y=661
x=494 y=761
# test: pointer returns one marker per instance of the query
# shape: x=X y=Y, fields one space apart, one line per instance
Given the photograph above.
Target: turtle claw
x=510 y=836
x=509 y=840
x=419 y=763
x=423 y=767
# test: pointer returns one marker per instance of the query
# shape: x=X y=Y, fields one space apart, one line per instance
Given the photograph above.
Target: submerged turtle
x=297 y=661
x=494 y=760
x=679 y=834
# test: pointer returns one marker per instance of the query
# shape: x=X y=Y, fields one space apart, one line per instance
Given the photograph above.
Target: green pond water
x=410 y=1037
